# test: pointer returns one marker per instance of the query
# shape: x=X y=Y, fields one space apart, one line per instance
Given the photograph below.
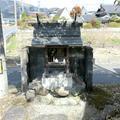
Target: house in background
x=53 y=12
x=62 y=15
x=112 y=9
x=86 y=16
x=108 y=11
x=84 y=10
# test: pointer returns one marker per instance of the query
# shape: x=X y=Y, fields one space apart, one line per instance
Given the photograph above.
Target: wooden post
x=46 y=61
x=3 y=71
x=88 y=68
x=67 y=61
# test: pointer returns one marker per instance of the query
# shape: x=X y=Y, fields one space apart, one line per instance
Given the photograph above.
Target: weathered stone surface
x=90 y=113
x=62 y=92
x=43 y=91
x=12 y=89
x=67 y=101
x=35 y=85
x=107 y=110
x=74 y=100
x=30 y=95
x=52 y=117
x=15 y=113
x=48 y=99
x=111 y=111
x=77 y=89
x=57 y=80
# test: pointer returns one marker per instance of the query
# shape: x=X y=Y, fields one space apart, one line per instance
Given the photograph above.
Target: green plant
x=114 y=24
x=115 y=41
x=115 y=19
x=55 y=18
x=87 y=25
x=23 y=22
x=12 y=43
x=24 y=16
x=63 y=19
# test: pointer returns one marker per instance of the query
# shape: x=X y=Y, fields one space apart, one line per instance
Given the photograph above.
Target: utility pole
x=38 y=6
x=3 y=70
x=15 y=13
x=22 y=6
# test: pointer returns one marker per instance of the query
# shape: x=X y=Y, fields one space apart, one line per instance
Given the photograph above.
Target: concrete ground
x=107 y=66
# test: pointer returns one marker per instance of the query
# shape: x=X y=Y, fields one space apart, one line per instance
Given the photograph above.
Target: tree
x=75 y=12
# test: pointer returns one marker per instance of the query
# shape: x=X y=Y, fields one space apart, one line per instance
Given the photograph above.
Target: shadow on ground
x=105 y=76
x=117 y=71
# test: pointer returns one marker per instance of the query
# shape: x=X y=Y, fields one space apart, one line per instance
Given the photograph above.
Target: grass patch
x=101 y=38
x=12 y=43
x=87 y=26
x=114 y=24
x=115 y=41
x=99 y=98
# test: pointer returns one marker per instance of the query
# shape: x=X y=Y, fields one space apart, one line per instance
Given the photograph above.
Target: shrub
x=87 y=25
x=114 y=24
x=115 y=19
x=24 y=16
x=23 y=22
x=55 y=18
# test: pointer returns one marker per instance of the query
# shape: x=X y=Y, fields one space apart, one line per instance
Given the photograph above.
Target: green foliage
x=115 y=19
x=115 y=41
x=63 y=19
x=55 y=18
x=24 y=16
x=114 y=24
x=23 y=22
x=93 y=24
x=87 y=25
x=12 y=43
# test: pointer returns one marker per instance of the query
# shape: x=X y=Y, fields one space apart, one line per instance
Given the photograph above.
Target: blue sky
x=88 y=4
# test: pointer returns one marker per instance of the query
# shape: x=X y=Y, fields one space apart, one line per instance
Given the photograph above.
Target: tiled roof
x=57 y=41
x=111 y=9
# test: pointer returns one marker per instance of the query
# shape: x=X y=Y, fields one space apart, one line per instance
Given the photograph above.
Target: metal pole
x=3 y=71
x=38 y=6
x=15 y=13
x=2 y=52
x=22 y=6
